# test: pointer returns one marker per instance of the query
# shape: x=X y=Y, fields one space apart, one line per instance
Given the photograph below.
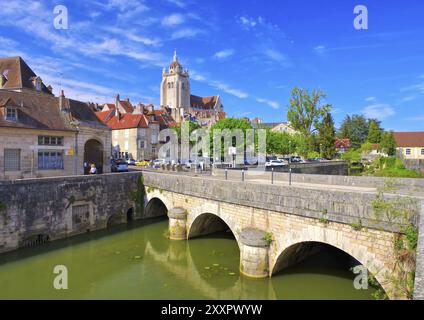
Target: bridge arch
x=296 y=251
x=156 y=204
x=207 y=219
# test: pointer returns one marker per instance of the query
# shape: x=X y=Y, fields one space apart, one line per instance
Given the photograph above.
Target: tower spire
x=175 y=55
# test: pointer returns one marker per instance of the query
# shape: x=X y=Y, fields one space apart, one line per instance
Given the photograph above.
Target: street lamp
x=76 y=124
x=290 y=170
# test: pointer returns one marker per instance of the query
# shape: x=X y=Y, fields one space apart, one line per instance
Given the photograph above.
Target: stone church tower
x=175 y=90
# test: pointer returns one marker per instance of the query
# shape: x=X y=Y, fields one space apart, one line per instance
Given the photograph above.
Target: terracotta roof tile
x=409 y=139
x=342 y=143
x=203 y=102
x=128 y=121
x=104 y=116
x=127 y=106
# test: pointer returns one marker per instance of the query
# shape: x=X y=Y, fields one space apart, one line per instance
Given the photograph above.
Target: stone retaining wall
x=61 y=207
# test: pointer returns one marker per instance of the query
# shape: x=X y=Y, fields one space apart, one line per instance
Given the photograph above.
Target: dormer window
x=37 y=83
x=11 y=114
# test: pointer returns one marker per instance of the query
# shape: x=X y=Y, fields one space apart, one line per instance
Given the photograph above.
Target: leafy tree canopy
x=306 y=110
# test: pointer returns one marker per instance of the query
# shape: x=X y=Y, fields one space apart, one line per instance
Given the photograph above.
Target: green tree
x=231 y=124
x=355 y=128
x=191 y=125
x=352 y=155
x=301 y=145
x=279 y=142
x=388 y=143
x=327 y=137
x=366 y=147
x=374 y=131
x=306 y=111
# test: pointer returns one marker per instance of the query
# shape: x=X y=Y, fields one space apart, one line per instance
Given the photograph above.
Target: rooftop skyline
x=251 y=54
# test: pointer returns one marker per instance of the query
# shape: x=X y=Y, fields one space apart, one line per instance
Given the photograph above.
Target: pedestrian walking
x=93 y=169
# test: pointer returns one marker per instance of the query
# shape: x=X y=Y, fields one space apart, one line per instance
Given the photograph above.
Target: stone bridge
x=277 y=226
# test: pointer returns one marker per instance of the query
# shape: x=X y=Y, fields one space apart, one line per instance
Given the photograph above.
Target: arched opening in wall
x=155 y=208
x=93 y=154
x=207 y=224
x=130 y=215
x=35 y=240
x=214 y=251
x=116 y=219
x=323 y=271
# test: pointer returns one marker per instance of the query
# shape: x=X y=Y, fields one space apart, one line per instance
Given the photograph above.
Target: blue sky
x=250 y=52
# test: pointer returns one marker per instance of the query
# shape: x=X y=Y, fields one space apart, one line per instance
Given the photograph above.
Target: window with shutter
x=12 y=159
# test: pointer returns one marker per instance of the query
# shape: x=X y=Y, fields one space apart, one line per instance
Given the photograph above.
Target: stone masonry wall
x=60 y=207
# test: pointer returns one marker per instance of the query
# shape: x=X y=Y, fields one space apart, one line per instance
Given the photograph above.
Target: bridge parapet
x=343 y=206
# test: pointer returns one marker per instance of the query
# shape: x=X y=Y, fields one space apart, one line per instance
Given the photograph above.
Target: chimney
x=117 y=99
x=50 y=88
x=139 y=109
x=62 y=104
x=150 y=108
x=127 y=99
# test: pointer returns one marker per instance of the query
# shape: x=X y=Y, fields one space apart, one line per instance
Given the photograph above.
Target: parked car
x=274 y=163
x=284 y=159
x=190 y=164
x=142 y=163
x=296 y=159
x=131 y=162
x=158 y=162
x=119 y=165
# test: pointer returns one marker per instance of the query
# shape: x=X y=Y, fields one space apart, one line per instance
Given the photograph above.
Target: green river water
x=138 y=262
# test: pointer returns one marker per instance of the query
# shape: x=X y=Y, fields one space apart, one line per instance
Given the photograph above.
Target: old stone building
x=175 y=97
x=135 y=129
x=274 y=126
x=42 y=135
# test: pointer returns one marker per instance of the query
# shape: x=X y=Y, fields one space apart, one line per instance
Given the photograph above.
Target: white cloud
x=228 y=89
x=144 y=40
x=379 y=111
x=124 y=5
x=178 y=3
x=185 y=33
x=277 y=56
x=272 y=104
x=197 y=77
x=173 y=20
x=251 y=23
x=417 y=87
x=247 y=22
x=320 y=50
x=224 y=54
x=6 y=42
x=409 y=98
x=371 y=99
x=220 y=85
x=133 y=35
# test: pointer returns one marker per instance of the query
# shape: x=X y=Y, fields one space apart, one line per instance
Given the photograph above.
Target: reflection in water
x=138 y=262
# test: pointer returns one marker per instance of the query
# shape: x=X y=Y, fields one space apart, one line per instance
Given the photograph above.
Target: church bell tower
x=175 y=89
